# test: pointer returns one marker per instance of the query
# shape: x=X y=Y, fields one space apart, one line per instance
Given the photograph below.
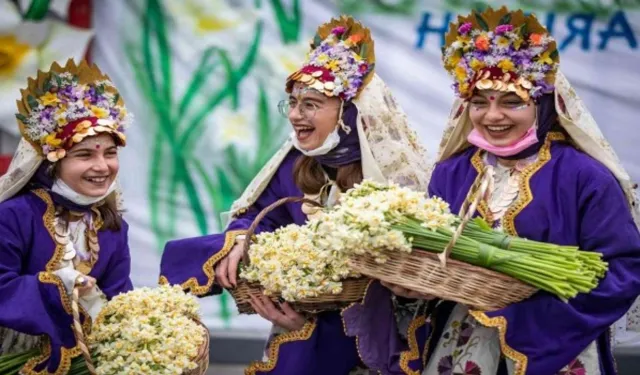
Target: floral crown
x=61 y=107
x=501 y=50
x=341 y=61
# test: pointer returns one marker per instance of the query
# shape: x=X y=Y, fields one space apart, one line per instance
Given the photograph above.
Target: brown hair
x=309 y=177
x=111 y=216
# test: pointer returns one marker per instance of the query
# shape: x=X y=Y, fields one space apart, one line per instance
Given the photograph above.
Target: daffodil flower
x=26 y=47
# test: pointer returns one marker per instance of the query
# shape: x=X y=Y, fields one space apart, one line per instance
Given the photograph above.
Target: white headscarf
x=389 y=147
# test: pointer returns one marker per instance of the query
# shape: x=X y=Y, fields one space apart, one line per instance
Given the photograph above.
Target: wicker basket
x=201 y=359
x=353 y=289
x=437 y=275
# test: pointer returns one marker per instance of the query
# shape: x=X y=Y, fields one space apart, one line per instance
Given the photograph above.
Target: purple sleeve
x=117 y=280
x=543 y=334
x=190 y=262
x=35 y=304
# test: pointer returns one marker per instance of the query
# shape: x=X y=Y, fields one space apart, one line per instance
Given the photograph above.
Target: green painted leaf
x=33 y=103
x=506 y=19
x=482 y=22
x=21 y=117
x=554 y=55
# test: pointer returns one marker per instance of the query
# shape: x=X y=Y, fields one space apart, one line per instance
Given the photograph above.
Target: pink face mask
x=530 y=138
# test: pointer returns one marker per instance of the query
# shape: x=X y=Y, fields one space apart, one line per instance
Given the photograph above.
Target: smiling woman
x=60 y=223
x=346 y=126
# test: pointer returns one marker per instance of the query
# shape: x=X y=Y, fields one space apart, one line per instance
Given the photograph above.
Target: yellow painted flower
x=12 y=53
x=333 y=65
x=99 y=112
x=517 y=43
x=52 y=140
x=49 y=99
x=506 y=65
x=323 y=58
x=476 y=64
x=545 y=58
x=454 y=60
x=26 y=47
x=460 y=73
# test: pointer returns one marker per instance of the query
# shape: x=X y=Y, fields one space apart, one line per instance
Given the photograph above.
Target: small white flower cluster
x=148 y=331
x=294 y=262
x=363 y=222
x=307 y=261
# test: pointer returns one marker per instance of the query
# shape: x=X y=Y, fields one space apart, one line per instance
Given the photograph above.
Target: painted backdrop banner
x=203 y=79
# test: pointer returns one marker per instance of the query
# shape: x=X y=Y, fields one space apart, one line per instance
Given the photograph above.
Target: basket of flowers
x=296 y=264
x=402 y=237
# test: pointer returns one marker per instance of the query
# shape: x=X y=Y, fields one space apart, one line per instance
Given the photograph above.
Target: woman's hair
x=111 y=216
x=310 y=178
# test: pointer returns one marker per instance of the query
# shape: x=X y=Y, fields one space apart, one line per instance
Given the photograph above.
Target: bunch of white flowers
x=307 y=261
x=148 y=331
x=364 y=220
x=295 y=262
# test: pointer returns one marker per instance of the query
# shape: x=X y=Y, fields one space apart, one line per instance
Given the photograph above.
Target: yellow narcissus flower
x=49 y=99
x=99 y=112
x=506 y=65
x=53 y=141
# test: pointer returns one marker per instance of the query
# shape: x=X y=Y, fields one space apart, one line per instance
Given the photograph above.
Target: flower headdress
x=61 y=107
x=341 y=61
x=501 y=50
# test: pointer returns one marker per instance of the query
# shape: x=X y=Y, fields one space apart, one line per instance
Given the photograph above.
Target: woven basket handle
x=77 y=326
x=265 y=212
x=475 y=195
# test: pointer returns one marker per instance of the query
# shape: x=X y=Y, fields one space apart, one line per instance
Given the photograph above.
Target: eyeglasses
x=307 y=108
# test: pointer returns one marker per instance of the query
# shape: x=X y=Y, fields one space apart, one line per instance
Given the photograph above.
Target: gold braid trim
x=302 y=334
x=414 y=350
x=483 y=207
x=192 y=283
x=432 y=322
x=500 y=323
x=66 y=354
x=526 y=196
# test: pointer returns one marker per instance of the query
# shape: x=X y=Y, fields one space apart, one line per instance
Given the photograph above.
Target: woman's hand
x=87 y=283
x=403 y=292
x=287 y=318
x=226 y=271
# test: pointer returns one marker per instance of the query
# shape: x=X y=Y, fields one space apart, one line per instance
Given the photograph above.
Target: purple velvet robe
x=327 y=344
x=32 y=299
x=575 y=201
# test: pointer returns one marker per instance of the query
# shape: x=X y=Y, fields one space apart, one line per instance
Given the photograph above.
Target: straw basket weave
x=353 y=289
x=448 y=279
x=201 y=359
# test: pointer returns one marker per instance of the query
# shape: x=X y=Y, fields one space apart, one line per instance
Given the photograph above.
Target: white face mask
x=59 y=187
x=329 y=144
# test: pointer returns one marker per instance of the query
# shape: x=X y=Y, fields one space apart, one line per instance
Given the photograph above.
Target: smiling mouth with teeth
x=97 y=180
x=498 y=128
x=302 y=132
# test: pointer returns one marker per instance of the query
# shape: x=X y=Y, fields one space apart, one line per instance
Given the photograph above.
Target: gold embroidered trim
x=499 y=322
x=49 y=222
x=192 y=283
x=526 y=196
x=432 y=322
x=66 y=354
x=414 y=350
x=302 y=334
